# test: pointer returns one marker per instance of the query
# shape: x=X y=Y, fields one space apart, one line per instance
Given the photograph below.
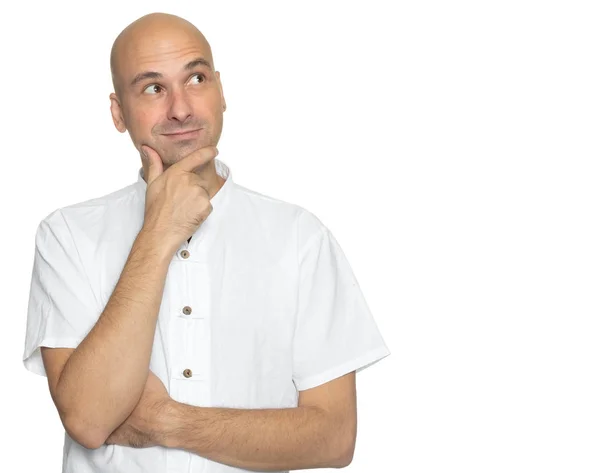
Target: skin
x=143 y=427
x=181 y=100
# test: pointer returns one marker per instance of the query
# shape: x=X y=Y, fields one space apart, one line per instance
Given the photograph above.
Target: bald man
x=186 y=323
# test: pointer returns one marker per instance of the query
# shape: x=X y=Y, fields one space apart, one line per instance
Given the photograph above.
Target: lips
x=186 y=135
x=182 y=132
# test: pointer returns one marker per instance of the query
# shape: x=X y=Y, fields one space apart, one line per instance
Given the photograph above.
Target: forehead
x=165 y=51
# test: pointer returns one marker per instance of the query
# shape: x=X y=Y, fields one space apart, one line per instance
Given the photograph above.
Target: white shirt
x=275 y=308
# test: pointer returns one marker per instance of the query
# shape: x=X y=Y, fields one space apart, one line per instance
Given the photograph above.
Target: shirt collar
x=218 y=200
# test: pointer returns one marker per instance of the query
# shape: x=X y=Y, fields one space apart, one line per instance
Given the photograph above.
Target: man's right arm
x=104 y=377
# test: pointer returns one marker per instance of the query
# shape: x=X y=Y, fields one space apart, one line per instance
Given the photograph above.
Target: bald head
x=165 y=85
x=146 y=37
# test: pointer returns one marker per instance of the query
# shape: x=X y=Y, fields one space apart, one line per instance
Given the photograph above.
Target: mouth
x=184 y=134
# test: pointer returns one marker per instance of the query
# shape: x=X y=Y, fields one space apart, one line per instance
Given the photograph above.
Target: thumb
x=153 y=162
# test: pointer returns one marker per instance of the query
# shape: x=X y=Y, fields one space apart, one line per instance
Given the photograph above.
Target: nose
x=179 y=108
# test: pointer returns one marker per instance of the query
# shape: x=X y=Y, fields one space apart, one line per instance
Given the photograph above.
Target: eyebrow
x=199 y=61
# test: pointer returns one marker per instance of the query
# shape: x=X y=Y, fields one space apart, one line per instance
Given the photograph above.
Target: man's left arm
x=319 y=433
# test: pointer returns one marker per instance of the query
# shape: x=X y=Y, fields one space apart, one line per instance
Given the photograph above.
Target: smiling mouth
x=185 y=134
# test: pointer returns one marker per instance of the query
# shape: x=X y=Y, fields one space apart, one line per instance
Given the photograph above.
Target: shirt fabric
x=261 y=303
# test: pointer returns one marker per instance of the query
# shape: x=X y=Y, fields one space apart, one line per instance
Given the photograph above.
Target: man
x=186 y=323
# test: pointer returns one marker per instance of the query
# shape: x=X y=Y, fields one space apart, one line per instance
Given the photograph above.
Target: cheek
x=207 y=102
x=141 y=124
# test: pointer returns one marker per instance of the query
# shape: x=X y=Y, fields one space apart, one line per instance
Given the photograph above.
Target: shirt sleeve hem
x=357 y=364
x=33 y=360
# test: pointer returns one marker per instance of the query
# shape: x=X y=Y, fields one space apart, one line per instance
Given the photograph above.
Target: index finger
x=197 y=158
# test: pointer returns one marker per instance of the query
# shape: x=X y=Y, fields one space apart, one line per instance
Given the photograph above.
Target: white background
x=451 y=148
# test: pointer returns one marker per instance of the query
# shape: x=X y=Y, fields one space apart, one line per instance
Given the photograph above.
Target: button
x=184 y=254
x=187 y=373
x=187 y=310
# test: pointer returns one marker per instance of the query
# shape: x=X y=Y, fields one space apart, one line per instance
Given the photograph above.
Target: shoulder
x=302 y=221
x=91 y=216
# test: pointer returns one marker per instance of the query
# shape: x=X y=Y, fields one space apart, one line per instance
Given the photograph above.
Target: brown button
x=187 y=310
x=187 y=373
x=185 y=254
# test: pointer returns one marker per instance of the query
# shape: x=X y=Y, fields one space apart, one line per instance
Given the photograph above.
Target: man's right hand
x=177 y=200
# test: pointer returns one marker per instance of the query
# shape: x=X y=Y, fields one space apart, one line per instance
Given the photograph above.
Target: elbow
x=84 y=432
x=345 y=449
x=85 y=435
x=344 y=459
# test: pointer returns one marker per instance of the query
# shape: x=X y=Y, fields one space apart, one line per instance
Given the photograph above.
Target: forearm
x=103 y=379
x=257 y=439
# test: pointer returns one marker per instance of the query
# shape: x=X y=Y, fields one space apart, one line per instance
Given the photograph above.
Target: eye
x=151 y=86
x=200 y=75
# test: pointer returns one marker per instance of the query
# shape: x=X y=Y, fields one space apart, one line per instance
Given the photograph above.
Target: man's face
x=186 y=96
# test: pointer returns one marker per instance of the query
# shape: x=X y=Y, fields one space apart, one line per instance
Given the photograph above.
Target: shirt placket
x=189 y=340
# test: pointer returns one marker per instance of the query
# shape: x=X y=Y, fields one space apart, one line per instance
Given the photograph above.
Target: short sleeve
x=335 y=331
x=62 y=308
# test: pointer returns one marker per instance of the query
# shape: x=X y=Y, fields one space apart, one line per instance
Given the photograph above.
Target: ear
x=218 y=74
x=117 y=113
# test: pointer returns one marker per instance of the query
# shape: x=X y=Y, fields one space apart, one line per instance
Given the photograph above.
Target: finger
x=197 y=158
x=154 y=163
